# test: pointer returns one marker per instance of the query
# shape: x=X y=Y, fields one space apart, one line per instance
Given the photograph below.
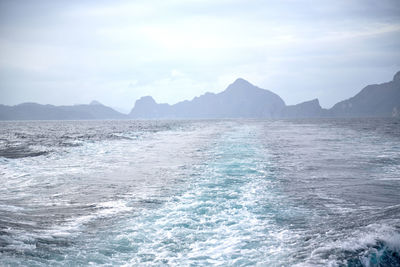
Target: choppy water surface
x=235 y=192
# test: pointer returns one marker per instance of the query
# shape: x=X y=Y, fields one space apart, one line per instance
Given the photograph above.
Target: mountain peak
x=147 y=100
x=95 y=103
x=241 y=82
x=314 y=101
x=396 y=77
x=146 y=107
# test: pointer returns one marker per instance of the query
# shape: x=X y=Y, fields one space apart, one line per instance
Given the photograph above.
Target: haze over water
x=207 y=192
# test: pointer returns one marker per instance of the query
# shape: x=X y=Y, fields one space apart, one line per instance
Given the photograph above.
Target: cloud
x=75 y=51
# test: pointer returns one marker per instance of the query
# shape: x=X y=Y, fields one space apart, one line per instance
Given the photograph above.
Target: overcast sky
x=68 y=52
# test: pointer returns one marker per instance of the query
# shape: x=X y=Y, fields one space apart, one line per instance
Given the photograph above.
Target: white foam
x=105 y=209
x=11 y=208
x=362 y=239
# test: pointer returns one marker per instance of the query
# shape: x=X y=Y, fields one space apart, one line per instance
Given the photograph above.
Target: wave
x=29 y=237
x=375 y=245
x=15 y=152
x=32 y=139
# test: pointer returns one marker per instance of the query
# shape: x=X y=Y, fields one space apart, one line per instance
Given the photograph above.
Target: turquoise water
x=219 y=217
x=201 y=193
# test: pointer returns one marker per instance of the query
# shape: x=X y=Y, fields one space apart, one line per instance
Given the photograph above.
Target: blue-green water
x=188 y=193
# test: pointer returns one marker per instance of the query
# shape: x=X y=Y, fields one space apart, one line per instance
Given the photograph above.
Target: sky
x=73 y=52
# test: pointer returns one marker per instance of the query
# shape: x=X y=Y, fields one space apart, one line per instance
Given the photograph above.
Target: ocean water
x=200 y=193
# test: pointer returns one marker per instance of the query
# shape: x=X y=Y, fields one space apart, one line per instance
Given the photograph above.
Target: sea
x=312 y=192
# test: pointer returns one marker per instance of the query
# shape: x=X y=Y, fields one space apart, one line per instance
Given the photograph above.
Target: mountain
x=96 y=103
x=240 y=100
x=377 y=100
x=34 y=111
x=309 y=109
x=243 y=100
x=147 y=108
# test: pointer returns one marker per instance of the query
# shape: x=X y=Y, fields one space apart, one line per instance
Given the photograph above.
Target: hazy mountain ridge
x=240 y=99
x=308 y=109
x=34 y=111
x=243 y=100
x=376 y=100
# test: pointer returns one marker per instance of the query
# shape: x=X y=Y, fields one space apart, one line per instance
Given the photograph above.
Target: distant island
x=34 y=111
x=240 y=99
